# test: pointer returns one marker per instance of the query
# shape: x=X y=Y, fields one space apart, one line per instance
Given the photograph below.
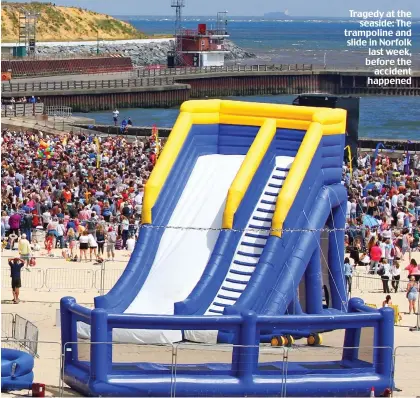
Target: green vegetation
x=57 y=23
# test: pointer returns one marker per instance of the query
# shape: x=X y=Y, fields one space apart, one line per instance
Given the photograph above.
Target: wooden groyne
x=171 y=87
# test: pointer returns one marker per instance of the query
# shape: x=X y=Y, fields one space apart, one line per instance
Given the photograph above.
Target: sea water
x=380 y=117
x=305 y=40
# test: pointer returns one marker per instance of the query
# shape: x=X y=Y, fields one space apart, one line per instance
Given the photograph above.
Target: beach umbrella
x=368 y=187
x=369 y=221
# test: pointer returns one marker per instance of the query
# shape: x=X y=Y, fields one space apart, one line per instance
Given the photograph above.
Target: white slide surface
x=248 y=251
x=183 y=254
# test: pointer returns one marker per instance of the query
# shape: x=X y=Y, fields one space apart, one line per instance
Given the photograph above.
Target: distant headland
x=277 y=14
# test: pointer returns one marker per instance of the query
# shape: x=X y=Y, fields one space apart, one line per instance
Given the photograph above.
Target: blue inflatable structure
x=16 y=370
x=242 y=242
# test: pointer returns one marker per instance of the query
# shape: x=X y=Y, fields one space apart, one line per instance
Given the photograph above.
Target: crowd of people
x=383 y=212
x=83 y=192
x=21 y=100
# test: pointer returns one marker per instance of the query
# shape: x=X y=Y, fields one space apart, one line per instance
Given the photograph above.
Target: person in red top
x=67 y=194
x=375 y=256
x=393 y=192
x=14 y=222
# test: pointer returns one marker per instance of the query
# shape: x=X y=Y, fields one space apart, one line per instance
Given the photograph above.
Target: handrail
x=201 y=322
x=295 y=177
x=33 y=87
x=166 y=76
x=247 y=170
x=77 y=309
x=163 y=167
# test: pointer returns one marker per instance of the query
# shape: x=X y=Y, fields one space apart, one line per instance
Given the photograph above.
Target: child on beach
x=119 y=243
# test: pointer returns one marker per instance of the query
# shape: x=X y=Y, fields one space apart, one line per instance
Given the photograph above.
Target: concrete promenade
x=162 y=88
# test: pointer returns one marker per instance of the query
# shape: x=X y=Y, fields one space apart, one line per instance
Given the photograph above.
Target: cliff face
x=57 y=23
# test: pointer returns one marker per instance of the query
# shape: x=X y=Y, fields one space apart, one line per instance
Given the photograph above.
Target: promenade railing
x=223 y=69
x=22 y=109
x=34 y=87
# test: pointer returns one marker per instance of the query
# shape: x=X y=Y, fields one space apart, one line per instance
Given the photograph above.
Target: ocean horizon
x=308 y=40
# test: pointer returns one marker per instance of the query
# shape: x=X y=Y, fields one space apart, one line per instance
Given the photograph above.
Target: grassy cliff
x=58 y=23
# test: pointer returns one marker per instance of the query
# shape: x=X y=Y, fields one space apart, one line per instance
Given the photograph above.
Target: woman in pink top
x=14 y=222
x=375 y=256
x=412 y=268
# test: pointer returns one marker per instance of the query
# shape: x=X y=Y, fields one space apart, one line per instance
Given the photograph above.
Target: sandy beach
x=39 y=305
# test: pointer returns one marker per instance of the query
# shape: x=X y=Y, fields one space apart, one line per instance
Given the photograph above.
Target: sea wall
x=142 y=52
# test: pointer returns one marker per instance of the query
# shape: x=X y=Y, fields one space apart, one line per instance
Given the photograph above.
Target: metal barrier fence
x=51 y=279
x=174 y=359
x=34 y=87
x=406 y=367
x=66 y=278
x=104 y=279
x=224 y=69
x=373 y=284
x=49 y=367
x=21 y=109
x=18 y=329
x=63 y=55
x=7 y=325
x=33 y=279
x=47 y=362
x=59 y=111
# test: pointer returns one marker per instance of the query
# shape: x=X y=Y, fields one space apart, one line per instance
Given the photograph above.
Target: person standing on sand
x=115 y=115
x=412 y=292
x=83 y=245
x=348 y=273
x=24 y=248
x=111 y=238
x=16 y=265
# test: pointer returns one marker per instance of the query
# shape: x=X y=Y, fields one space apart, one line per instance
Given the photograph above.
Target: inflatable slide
x=242 y=241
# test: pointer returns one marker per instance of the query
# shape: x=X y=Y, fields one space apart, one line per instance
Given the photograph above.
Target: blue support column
x=100 y=350
x=352 y=336
x=248 y=350
x=336 y=259
x=294 y=307
x=313 y=283
x=68 y=330
x=385 y=342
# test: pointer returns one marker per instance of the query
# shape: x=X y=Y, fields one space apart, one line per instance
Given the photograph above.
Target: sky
x=327 y=8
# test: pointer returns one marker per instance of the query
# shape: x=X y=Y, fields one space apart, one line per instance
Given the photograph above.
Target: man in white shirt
x=139 y=197
x=131 y=243
x=400 y=218
x=46 y=218
x=115 y=115
x=348 y=208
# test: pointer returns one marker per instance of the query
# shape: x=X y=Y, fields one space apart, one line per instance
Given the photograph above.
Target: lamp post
x=97 y=41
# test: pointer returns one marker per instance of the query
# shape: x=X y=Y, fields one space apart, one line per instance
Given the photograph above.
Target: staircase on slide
x=252 y=243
